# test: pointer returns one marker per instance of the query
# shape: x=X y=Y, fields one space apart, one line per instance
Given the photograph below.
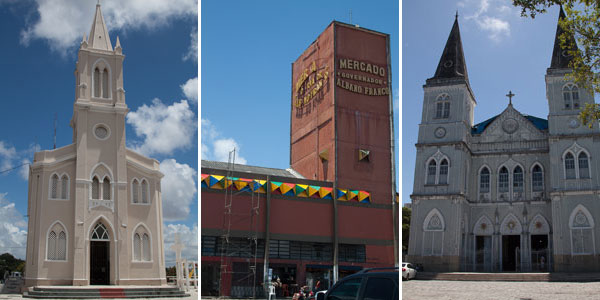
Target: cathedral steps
x=466 y=276
x=103 y=292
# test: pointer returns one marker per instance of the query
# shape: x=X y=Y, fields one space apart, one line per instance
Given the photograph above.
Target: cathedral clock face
x=573 y=123
x=101 y=131
x=440 y=132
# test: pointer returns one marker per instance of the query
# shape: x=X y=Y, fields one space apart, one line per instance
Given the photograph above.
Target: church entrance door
x=539 y=253
x=99 y=263
x=511 y=258
x=100 y=255
x=483 y=259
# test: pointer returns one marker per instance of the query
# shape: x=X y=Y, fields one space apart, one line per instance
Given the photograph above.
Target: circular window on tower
x=101 y=131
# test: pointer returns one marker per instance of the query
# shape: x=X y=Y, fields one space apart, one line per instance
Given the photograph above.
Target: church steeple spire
x=560 y=56
x=452 y=63
x=98 y=38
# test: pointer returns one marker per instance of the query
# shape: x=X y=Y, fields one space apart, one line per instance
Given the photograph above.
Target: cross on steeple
x=455 y=17
x=510 y=95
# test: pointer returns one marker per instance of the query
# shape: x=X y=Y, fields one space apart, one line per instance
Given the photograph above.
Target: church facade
x=512 y=193
x=95 y=210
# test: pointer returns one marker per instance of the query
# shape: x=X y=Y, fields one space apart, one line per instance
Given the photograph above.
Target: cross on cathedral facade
x=510 y=95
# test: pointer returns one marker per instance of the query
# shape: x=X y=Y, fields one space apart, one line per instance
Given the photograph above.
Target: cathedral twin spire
x=560 y=56
x=452 y=64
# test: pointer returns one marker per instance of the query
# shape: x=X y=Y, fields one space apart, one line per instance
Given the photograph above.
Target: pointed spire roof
x=560 y=56
x=452 y=63
x=98 y=38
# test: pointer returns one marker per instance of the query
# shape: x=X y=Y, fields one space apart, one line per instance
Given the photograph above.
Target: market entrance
x=511 y=245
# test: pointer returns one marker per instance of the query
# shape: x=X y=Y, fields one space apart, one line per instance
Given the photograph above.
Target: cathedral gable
x=511 y=126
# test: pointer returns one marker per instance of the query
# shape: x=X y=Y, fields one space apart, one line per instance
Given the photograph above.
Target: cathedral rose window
x=101 y=132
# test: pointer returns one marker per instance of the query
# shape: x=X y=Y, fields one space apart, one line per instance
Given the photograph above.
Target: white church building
x=95 y=211
x=512 y=193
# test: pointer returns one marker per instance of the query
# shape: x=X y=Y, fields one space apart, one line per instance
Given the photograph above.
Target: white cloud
x=13 y=229
x=178 y=189
x=190 y=89
x=24 y=170
x=496 y=26
x=215 y=147
x=164 y=128
x=7 y=154
x=17 y=161
x=63 y=22
x=192 y=53
x=188 y=237
x=222 y=148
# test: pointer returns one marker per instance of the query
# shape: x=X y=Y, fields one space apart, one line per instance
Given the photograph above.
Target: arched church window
x=134 y=191
x=570 y=166
x=582 y=226
x=146 y=247
x=584 y=171
x=95 y=188
x=442 y=107
x=503 y=180
x=571 y=96
x=54 y=187
x=97 y=83
x=518 y=179
x=52 y=245
x=145 y=191
x=137 y=247
x=56 y=247
x=105 y=92
x=537 y=179
x=141 y=244
x=431 y=171
x=484 y=180
x=443 y=179
x=106 y=189
x=64 y=187
x=433 y=227
x=100 y=233
x=61 y=246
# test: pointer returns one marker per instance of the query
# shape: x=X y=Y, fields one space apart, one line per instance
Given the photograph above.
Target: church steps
x=104 y=292
x=466 y=276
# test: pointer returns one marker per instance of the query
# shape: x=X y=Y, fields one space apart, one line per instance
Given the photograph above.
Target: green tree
x=9 y=263
x=580 y=27
x=406 y=212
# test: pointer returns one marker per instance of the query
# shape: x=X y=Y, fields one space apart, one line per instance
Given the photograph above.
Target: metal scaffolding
x=245 y=247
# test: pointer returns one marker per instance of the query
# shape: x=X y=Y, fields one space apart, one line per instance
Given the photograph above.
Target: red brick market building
x=333 y=212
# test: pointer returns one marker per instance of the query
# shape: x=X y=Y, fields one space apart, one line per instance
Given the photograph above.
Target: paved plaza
x=481 y=290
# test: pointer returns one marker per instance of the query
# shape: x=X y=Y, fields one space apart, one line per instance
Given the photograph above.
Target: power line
x=13 y=168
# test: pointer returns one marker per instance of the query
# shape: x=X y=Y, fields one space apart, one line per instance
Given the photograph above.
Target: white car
x=408 y=271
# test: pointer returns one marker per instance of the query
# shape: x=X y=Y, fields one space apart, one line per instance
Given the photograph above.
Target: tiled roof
x=250 y=169
x=539 y=123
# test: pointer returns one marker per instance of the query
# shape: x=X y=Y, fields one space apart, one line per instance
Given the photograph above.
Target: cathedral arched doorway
x=100 y=255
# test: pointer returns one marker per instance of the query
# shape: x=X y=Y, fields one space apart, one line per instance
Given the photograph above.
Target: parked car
x=375 y=283
x=408 y=271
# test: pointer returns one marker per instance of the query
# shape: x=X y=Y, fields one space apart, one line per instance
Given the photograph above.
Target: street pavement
x=483 y=290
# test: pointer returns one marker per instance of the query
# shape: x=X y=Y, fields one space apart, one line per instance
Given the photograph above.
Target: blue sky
x=247 y=49
x=38 y=55
x=503 y=51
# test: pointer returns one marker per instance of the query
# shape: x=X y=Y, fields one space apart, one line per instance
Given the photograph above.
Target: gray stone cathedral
x=512 y=193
